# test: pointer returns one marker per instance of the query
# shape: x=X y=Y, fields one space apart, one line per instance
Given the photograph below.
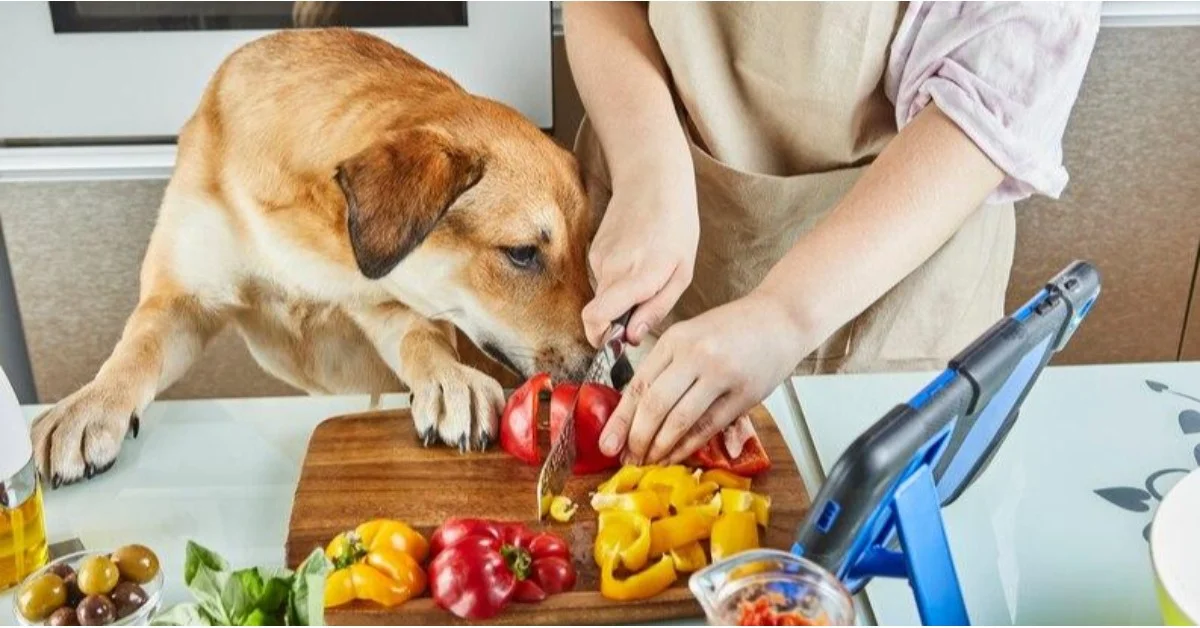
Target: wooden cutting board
x=363 y=466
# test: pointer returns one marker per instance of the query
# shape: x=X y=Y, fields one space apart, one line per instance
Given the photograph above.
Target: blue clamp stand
x=879 y=513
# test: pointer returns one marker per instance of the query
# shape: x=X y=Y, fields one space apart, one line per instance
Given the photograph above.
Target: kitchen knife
x=557 y=468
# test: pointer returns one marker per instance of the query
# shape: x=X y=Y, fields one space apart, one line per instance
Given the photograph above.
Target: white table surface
x=222 y=473
x=1033 y=542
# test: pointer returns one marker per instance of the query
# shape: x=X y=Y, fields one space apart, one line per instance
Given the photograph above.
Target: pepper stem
x=352 y=552
x=519 y=560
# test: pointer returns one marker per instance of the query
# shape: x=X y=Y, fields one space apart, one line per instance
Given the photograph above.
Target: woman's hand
x=645 y=250
x=701 y=375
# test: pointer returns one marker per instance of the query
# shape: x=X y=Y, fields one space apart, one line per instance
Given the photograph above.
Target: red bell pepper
x=518 y=424
x=740 y=439
x=479 y=566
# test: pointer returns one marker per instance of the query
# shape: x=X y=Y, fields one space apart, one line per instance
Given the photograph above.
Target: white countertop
x=220 y=472
x=1033 y=542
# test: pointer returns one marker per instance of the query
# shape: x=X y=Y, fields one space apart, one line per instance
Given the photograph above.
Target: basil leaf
x=208 y=587
x=198 y=556
x=241 y=593
x=181 y=615
x=306 y=606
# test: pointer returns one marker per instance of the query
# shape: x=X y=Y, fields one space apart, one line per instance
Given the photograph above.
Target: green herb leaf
x=196 y=556
x=306 y=604
x=181 y=615
x=257 y=618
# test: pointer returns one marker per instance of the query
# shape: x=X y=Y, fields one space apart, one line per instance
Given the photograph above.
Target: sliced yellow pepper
x=697 y=494
x=690 y=557
x=762 y=509
x=664 y=476
x=732 y=533
x=736 y=500
x=726 y=479
x=625 y=535
x=562 y=509
x=644 y=502
x=654 y=580
x=690 y=525
x=626 y=479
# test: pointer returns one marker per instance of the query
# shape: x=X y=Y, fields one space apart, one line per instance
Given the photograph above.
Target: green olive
x=97 y=575
x=136 y=563
x=41 y=596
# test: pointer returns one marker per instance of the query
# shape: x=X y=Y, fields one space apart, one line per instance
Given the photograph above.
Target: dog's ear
x=396 y=191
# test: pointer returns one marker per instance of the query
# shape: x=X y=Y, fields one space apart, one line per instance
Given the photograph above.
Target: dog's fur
x=341 y=204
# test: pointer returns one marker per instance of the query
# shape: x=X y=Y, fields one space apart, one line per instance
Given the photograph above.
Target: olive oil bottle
x=23 y=546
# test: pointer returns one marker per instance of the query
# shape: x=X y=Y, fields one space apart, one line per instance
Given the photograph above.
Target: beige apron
x=783 y=105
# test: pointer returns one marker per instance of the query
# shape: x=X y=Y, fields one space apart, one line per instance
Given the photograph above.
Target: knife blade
x=557 y=468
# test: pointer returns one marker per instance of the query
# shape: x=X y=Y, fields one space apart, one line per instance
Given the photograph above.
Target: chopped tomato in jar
x=760 y=612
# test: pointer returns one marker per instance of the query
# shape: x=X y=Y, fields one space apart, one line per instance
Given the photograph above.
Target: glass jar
x=23 y=547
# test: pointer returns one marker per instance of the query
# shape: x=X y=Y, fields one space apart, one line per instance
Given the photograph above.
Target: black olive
x=96 y=610
x=64 y=616
x=74 y=595
x=128 y=597
x=62 y=569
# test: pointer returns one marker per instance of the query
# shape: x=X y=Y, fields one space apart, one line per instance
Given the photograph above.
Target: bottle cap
x=16 y=449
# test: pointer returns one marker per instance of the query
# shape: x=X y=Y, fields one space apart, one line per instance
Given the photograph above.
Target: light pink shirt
x=1007 y=73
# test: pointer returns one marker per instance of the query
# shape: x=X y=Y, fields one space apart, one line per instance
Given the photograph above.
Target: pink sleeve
x=1007 y=73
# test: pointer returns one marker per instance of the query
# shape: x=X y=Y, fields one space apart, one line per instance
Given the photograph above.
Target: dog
x=344 y=206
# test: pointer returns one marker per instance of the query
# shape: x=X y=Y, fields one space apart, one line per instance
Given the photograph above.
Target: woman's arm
x=645 y=249
x=623 y=83
x=907 y=204
x=706 y=371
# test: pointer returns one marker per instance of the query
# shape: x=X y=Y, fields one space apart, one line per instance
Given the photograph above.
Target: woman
x=808 y=187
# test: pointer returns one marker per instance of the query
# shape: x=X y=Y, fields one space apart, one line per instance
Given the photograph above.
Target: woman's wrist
x=794 y=326
x=662 y=156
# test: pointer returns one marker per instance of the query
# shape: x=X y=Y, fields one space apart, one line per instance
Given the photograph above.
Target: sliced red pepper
x=518 y=425
x=596 y=403
x=519 y=428
x=751 y=460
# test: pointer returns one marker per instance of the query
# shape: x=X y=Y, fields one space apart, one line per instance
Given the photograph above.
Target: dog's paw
x=81 y=435
x=458 y=406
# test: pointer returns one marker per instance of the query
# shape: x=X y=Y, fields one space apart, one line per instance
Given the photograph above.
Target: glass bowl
x=140 y=617
x=774 y=581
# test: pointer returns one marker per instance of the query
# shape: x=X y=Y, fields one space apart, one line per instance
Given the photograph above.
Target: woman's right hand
x=645 y=249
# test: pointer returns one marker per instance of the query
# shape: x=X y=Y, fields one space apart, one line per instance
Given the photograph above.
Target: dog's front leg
x=81 y=435
x=451 y=401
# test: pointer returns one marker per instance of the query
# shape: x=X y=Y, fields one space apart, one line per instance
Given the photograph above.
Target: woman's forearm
x=906 y=205
x=623 y=83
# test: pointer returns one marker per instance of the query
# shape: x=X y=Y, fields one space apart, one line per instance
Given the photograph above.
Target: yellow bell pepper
x=732 y=533
x=690 y=525
x=626 y=479
x=625 y=535
x=690 y=557
x=390 y=533
x=726 y=479
x=644 y=502
x=364 y=582
x=654 y=580
x=377 y=561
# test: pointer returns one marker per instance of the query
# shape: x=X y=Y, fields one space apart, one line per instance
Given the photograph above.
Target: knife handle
x=623 y=320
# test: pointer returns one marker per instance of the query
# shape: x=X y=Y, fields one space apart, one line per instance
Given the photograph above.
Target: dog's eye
x=522 y=256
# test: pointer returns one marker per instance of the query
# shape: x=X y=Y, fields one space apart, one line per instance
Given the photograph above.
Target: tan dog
x=333 y=197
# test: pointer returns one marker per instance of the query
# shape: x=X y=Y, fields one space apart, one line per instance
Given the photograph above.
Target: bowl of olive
x=92 y=589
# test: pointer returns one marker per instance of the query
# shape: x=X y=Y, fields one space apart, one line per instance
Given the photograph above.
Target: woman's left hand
x=700 y=376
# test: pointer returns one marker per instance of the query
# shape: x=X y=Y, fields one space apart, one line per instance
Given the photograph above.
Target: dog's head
x=482 y=221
